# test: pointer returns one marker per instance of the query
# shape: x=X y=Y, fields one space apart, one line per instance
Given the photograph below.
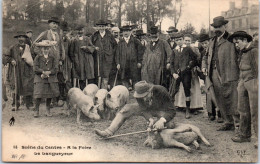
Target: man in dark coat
x=129 y=56
x=81 y=53
x=183 y=60
x=221 y=65
x=67 y=65
x=156 y=59
x=211 y=104
x=103 y=58
x=247 y=86
x=152 y=101
x=21 y=70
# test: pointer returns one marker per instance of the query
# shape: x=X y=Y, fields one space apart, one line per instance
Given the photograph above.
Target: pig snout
x=93 y=113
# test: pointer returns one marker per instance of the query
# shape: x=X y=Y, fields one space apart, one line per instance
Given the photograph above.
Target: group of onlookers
x=61 y=58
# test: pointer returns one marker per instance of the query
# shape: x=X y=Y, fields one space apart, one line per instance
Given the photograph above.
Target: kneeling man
x=152 y=101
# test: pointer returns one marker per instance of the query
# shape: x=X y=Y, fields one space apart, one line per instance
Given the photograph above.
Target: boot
x=48 y=111
x=36 y=112
x=187 y=114
x=241 y=139
x=114 y=126
x=226 y=127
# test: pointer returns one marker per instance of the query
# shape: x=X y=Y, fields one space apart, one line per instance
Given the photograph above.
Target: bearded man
x=221 y=65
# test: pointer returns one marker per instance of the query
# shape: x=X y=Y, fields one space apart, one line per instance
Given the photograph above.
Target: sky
x=196 y=12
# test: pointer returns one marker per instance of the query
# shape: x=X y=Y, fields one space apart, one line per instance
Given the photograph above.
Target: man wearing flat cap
x=221 y=65
x=81 y=52
x=152 y=101
x=183 y=61
x=57 y=50
x=247 y=86
x=20 y=70
x=156 y=60
x=104 y=55
x=129 y=56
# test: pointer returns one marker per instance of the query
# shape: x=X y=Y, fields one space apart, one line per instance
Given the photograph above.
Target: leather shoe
x=240 y=139
x=226 y=127
x=103 y=134
x=220 y=120
x=212 y=118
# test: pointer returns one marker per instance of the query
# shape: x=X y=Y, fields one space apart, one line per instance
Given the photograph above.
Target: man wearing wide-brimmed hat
x=21 y=70
x=171 y=32
x=222 y=68
x=156 y=60
x=104 y=55
x=247 y=86
x=129 y=56
x=57 y=50
x=45 y=79
x=152 y=101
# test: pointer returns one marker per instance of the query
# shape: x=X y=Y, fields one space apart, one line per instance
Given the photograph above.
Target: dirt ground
x=62 y=130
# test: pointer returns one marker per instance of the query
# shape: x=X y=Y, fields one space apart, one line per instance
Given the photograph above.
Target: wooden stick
x=15 y=89
x=126 y=134
x=115 y=79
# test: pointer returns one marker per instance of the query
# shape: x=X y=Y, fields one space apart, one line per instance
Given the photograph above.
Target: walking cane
x=115 y=79
x=99 y=78
x=15 y=88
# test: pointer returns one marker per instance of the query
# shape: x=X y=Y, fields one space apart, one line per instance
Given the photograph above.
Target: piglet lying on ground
x=181 y=136
x=116 y=99
x=83 y=103
x=100 y=101
x=90 y=90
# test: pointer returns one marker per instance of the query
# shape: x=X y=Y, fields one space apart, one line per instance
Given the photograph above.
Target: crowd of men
x=111 y=56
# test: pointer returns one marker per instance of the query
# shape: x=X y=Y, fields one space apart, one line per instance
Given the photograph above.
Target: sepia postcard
x=130 y=81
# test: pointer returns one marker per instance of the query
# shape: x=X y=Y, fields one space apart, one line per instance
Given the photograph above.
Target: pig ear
x=91 y=109
x=95 y=99
x=108 y=95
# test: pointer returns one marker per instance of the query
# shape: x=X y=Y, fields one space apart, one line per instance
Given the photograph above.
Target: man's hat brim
x=137 y=95
x=218 y=24
x=243 y=35
x=51 y=20
x=21 y=35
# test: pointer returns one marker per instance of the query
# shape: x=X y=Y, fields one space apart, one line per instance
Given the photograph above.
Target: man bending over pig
x=152 y=101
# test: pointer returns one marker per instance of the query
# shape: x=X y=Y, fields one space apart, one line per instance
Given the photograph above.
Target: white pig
x=117 y=98
x=90 y=90
x=100 y=101
x=83 y=103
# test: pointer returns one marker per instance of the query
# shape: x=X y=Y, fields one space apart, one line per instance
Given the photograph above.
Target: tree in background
x=59 y=8
x=33 y=10
x=188 y=29
x=176 y=13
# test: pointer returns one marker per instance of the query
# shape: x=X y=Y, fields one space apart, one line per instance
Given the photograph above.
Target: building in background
x=244 y=18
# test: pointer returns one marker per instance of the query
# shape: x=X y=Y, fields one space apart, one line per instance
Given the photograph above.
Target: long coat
x=228 y=72
x=154 y=61
x=23 y=71
x=128 y=55
x=104 y=56
x=83 y=59
x=67 y=65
